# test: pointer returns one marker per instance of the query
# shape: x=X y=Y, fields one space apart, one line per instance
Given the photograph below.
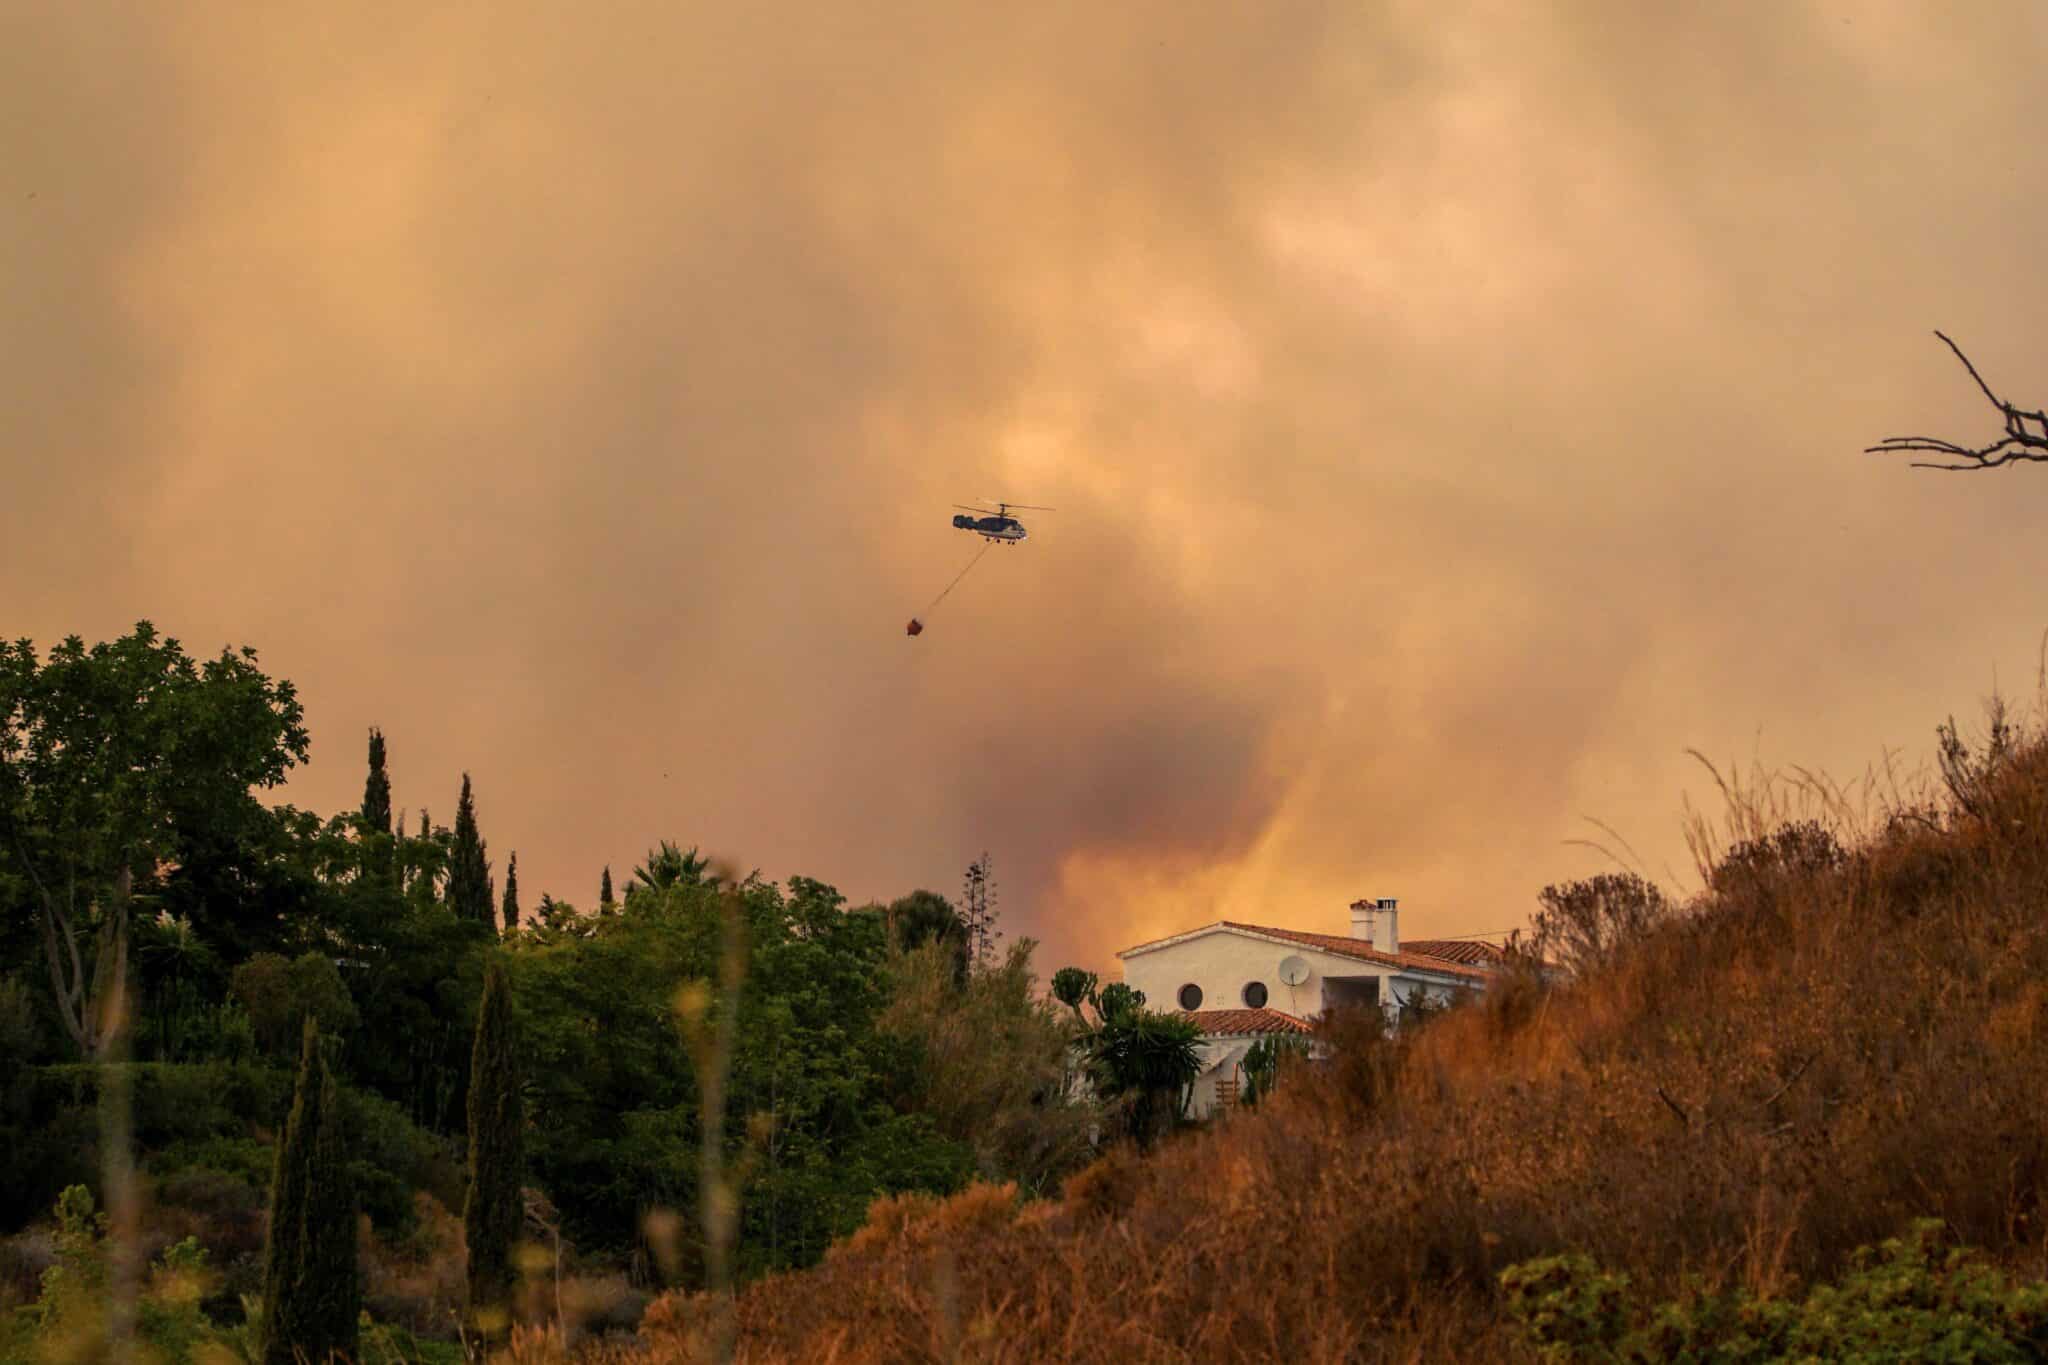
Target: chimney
x=1375 y=921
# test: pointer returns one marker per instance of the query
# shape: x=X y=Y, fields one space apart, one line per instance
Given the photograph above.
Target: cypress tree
x=311 y=1296
x=377 y=789
x=469 y=872
x=491 y=1214
x=418 y=861
x=376 y=822
x=509 y=911
x=604 y=888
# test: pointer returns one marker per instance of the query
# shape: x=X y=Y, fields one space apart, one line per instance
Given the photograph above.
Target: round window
x=1255 y=994
x=1191 y=996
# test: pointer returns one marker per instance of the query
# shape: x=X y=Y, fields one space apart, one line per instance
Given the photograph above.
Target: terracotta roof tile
x=1363 y=951
x=1244 y=1023
x=1471 y=952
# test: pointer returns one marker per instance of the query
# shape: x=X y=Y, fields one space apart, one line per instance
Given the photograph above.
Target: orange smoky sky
x=1453 y=413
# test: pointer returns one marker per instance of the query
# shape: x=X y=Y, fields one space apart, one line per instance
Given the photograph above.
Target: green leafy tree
x=117 y=762
x=821 y=1114
x=469 y=871
x=508 y=911
x=558 y=919
x=429 y=858
x=927 y=917
x=604 y=888
x=312 y=1298
x=282 y=995
x=990 y=1064
x=491 y=1213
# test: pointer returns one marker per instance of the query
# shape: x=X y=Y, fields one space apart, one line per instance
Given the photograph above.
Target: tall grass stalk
x=117 y=1136
x=709 y=1020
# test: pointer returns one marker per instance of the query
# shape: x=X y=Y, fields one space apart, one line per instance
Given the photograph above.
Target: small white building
x=1243 y=982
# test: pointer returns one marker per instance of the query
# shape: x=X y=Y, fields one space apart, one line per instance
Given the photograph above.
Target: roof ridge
x=1358 y=948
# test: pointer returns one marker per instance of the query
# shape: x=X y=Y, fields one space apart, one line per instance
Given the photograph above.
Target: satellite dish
x=1293 y=970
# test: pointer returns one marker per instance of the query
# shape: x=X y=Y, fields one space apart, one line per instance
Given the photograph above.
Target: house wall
x=1221 y=963
x=1220 y=1059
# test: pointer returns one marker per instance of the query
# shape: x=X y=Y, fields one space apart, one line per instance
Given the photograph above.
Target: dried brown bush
x=1847 y=1031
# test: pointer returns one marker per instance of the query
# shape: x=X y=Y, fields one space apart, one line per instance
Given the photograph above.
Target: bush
x=1908 y=1299
x=1785 y=1071
x=279 y=994
x=215 y=1117
x=70 y=1317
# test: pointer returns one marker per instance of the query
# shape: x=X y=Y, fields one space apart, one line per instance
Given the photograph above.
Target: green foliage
x=70 y=1317
x=988 y=1063
x=492 y=1210
x=311 y=1296
x=816 y=1091
x=374 y=824
x=1073 y=987
x=1568 y=1308
x=281 y=995
x=927 y=917
x=21 y=1027
x=115 y=762
x=508 y=909
x=666 y=868
x=1117 y=999
x=469 y=870
x=376 y=814
x=1265 y=1060
x=1143 y=1061
x=80 y=1271
x=1911 y=1299
x=204 y=1118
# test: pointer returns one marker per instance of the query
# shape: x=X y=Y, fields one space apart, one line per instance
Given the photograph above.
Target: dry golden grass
x=1800 y=1064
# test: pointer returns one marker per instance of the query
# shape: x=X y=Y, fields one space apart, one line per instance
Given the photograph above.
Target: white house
x=1243 y=982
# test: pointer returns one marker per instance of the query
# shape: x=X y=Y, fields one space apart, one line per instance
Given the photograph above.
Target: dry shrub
x=1108 y=1188
x=1846 y=1032
x=417 y=1284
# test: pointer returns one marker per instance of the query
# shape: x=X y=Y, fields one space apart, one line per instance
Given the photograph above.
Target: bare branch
x=1779 y=1093
x=1675 y=1107
x=2025 y=439
x=69 y=997
x=1996 y=402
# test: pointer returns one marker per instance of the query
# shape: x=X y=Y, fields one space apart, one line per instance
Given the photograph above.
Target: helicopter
x=998 y=526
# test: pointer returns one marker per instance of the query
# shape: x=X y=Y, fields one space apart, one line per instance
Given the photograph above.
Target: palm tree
x=1147 y=1060
x=668 y=866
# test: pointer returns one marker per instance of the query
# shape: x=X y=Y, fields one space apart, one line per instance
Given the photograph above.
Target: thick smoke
x=1451 y=413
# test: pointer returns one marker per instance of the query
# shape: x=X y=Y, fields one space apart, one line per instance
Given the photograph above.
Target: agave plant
x=1148 y=1061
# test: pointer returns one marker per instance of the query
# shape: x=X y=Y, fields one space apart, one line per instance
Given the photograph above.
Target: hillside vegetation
x=1843 y=1037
